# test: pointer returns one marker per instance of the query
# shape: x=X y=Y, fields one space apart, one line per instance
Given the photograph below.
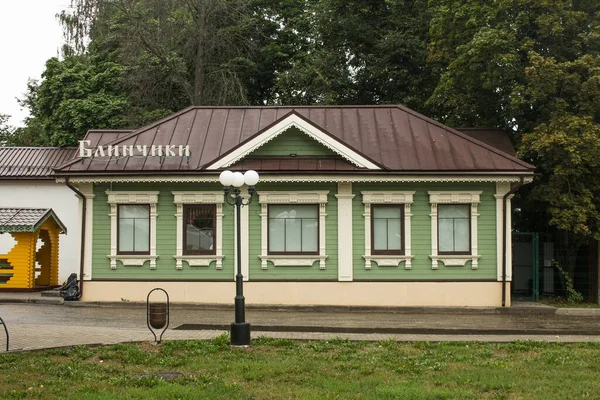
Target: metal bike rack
x=157 y=315
x=6 y=331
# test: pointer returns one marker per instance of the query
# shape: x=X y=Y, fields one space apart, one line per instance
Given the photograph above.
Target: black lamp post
x=240 y=329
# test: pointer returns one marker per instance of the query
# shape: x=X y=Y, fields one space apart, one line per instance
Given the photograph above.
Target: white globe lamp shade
x=251 y=177
x=226 y=178
x=238 y=179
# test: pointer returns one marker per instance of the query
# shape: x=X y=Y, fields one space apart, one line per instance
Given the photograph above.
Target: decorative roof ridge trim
x=304 y=178
x=464 y=136
x=293 y=119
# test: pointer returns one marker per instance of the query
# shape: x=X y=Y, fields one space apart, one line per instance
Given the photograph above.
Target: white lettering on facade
x=156 y=151
x=99 y=152
x=167 y=150
x=83 y=151
x=142 y=149
x=113 y=150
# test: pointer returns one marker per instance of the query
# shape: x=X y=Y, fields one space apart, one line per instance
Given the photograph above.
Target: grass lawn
x=283 y=369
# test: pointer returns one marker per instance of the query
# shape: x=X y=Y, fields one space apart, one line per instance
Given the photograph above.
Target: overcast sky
x=29 y=35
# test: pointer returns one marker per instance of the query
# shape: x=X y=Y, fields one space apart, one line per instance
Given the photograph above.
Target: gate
x=534 y=275
x=525 y=266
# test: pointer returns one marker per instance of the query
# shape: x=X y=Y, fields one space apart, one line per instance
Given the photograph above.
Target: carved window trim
x=201 y=260
x=132 y=197
x=304 y=197
x=454 y=197
x=391 y=198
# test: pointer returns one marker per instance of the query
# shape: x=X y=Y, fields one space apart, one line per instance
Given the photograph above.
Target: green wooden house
x=356 y=205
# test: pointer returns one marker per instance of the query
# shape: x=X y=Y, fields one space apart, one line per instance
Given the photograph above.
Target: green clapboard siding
x=166 y=239
x=293 y=141
x=295 y=273
x=421 y=236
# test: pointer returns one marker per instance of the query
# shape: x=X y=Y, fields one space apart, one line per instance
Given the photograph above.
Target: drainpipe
x=84 y=213
x=504 y=230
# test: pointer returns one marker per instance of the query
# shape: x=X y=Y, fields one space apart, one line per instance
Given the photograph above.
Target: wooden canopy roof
x=16 y=219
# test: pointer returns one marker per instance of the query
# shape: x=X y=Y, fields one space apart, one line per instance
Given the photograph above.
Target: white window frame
x=305 y=197
x=393 y=198
x=138 y=197
x=199 y=260
x=454 y=197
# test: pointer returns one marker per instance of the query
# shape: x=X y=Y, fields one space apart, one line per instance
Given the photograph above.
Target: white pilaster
x=345 y=231
x=501 y=189
x=87 y=189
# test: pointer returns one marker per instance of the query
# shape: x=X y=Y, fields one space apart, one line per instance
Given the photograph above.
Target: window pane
x=142 y=235
x=386 y=212
x=134 y=228
x=461 y=235
x=126 y=234
x=453 y=211
x=277 y=235
x=453 y=227
x=199 y=227
x=446 y=234
x=380 y=234
x=387 y=228
x=134 y=211
x=293 y=234
x=293 y=228
x=393 y=234
x=310 y=235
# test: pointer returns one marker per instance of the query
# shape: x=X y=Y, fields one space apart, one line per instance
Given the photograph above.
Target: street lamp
x=240 y=329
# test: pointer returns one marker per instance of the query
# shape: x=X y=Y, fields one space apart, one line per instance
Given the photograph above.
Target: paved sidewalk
x=37 y=324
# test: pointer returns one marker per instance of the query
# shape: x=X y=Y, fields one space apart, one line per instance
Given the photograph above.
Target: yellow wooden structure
x=19 y=265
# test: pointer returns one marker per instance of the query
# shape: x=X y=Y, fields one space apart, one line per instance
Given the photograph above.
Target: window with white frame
x=293 y=228
x=132 y=228
x=388 y=228
x=199 y=229
x=454 y=228
x=454 y=231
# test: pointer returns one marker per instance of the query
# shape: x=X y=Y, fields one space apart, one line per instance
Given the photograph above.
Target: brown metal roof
x=32 y=162
x=493 y=136
x=393 y=137
x=16 y=219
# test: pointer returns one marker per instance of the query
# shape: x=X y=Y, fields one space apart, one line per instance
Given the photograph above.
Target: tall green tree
x=177 y=52
x=74 y=95
x=358 y=52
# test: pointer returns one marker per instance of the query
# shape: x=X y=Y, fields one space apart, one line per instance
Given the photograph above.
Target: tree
x=357 y=52
x=76 y=94
x=176 y=53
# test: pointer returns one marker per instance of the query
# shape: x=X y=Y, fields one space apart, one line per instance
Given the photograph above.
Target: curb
x=34 y=300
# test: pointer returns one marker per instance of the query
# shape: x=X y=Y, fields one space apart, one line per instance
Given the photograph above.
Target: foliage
x=360 y=53
x=277 y=369
x=573 y=296
x=78 y=93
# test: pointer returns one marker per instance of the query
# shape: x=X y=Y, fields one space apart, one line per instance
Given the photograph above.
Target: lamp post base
x=240 y=334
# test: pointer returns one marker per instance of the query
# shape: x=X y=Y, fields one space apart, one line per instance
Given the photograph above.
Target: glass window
x=293 y=228
x=199 y=229
x=453 y=228
x=387 y=229
x=134 y=228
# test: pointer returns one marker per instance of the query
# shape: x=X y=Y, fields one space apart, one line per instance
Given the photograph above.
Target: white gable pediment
x=293 y=120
